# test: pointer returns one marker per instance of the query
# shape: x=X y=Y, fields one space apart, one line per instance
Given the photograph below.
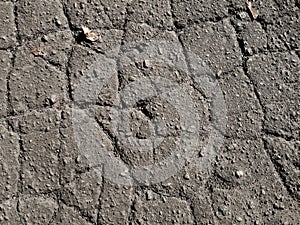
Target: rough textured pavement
x=255 y=178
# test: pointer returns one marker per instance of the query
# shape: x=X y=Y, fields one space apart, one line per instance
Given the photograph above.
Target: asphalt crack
x=257 y=95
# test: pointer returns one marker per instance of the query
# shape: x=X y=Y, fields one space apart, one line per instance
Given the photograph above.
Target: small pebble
x=53 y=98
x=239 y=219
x=147 y=63
x=186 y=176
x=278 y=206
x=239 y=173
x=149 y=195
x=45 y=38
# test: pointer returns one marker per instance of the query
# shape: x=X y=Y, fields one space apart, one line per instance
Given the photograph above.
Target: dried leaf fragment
x=38 y=52
x=253 y=10
x=89 y=35
x=85 y=30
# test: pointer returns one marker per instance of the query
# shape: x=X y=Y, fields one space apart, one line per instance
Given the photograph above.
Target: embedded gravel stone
x=8 y=27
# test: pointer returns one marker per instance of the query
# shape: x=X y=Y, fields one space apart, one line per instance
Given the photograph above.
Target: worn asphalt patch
x=84 y=82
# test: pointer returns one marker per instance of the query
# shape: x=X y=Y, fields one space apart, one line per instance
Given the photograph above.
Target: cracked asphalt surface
x=255 y=178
